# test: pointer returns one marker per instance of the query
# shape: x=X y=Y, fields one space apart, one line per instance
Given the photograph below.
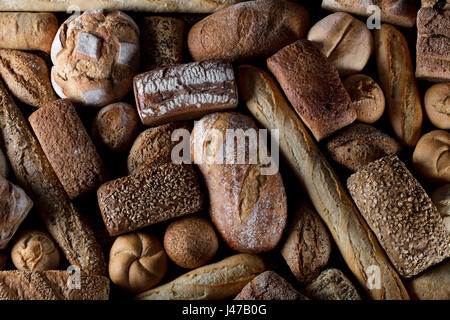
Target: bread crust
x=332 y=284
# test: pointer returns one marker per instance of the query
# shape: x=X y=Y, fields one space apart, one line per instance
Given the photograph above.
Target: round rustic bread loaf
x=367 y=97
x=431 y=158
x=137 y=262
x=190 y=242
x=437 y=105
x=248 y=30
x=441 y=198
x=345 y=40
x=35 y=250
x=115 y=127
x=95 y=56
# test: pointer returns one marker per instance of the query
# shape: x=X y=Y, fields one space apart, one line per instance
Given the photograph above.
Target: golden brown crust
x=433 y=284
x=437 y=105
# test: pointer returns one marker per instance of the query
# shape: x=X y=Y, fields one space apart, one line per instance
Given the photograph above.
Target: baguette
x=215 y=281
x=353 y=237
x=36 y=176
x=192 y=6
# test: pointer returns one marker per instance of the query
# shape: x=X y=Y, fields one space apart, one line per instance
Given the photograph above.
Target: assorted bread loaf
x=174 y=172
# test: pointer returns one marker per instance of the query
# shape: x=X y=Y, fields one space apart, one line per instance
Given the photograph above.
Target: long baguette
x=194 y=6
x=36 y=176
x=353 y=237
x=215 y=281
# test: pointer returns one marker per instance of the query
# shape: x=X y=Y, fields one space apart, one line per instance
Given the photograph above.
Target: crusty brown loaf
x=433 y=284
x=26 y=30
x=353 y=237
x=185 y=92
x=433 y=45
x=437 y=105
x=194 y=6
x=15 y=205
x=154 y=145
x=26 y=76
x=35 y=174
x=269 y=286
x=398 y=12
x=313 y=87
x=402 y=216
x=68 y=147
x=359 y=144
x=248 y=207
x=151 y=195
x=215 y=281
x=51 y=285
x=248 y=30
x=395 y=70
x=332 y=284
x=308 y=245
x=162 y=42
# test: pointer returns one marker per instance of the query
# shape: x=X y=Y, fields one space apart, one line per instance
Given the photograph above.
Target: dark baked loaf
x=401 y=215
x=269 y=286
x=359 y=144
x=312 y=85
x=149 y=196
x=332 y=284
x=433 y=45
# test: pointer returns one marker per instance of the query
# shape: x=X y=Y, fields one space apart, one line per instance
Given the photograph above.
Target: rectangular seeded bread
x=401 y=214
x=149 y=196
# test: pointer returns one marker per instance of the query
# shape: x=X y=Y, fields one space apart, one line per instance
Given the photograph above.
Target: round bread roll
x=3 y=260
x=115 y=127
x=4 y=167
x=137 y=262
x=346 y=41
x=441 y=198
x=95 y=56
x=367 y=97
x=190 y=242
x=431 y=158
x=35 y=250
x=437 y=105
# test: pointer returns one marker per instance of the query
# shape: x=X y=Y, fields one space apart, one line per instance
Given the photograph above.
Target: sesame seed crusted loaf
x=401 y=215
x=151 y=195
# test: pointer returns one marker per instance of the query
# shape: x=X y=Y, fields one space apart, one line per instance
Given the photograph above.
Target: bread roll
x=95 y=57
x=115 y=127
x=441 y=198
x=344 y=40
x=51 y=285
x=26 y=30
x=26 y=76
x=308 y=245
x=367 y=97
x=353 y=237
x=204 y=6
x=137 y=262
x=433 y=45
x=253 y=29
x=398 y=12
x=248 y=206
x=437 y=105
x=4 y=166
x=68 y=147
x=15 y=205
x=332 y=284
x=359 y=144
x=35 y=174
x=313 y=87
x=434 y=284
x=35 y=250
x=215 y=281
x=269 y=286
x=431 y=158
x=402 y=216
x=396 y=74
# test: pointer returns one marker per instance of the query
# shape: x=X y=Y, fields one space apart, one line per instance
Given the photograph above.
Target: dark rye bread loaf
x=359 y=144
x=433 y=45
x=68 y=147
x=151 y=195
x=401 y=215
x=269 y=286
x=313 y=87
x=51 y=285
x=185 y=92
